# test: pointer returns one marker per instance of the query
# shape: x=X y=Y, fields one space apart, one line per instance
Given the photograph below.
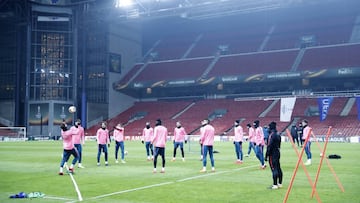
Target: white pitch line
x=131 y=190
x=213 y=173
x=167 y=183
x=74 y=182
x=57 y=198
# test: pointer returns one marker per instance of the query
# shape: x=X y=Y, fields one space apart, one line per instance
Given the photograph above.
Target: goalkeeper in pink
x=79 y=139
x=159 y=142
x=69 y=149
x=207 y=135
x=179 y=139
x=102 y=137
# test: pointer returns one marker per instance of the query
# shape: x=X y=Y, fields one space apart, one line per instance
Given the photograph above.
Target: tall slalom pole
x=302 y=165
x=296 y=168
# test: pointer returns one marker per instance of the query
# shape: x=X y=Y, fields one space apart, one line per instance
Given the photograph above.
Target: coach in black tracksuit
x=273 y=155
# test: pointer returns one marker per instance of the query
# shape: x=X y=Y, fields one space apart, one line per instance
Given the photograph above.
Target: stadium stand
x=247 y=111
x=253 y=63
x=342 y=56
x=173 y=47
x=179 y=69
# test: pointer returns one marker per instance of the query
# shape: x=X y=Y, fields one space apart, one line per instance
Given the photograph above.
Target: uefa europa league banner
x=324 y=106
x=358 y=106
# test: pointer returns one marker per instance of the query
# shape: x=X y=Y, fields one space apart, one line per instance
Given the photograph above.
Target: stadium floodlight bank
x=12 y=134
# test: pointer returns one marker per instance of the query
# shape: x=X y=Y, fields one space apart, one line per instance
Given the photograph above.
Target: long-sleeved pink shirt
x=79 y=135
x=238 y=134
x=160 y=135
x=207 y=135
x=251 y=134
x=259 y=136
x=147 y=134
x=306 y=131
x=102 y=136
x=119 y=134
x=179 y=134
x=67 y=137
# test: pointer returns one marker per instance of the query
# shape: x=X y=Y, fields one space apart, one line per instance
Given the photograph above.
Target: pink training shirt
x=160 y=135
x=306 y=131
x=259 y=136
x=207 y=135
x=148 y=134
x=102 y=136
x=67 y=137
x=79 y=135
x=238 y=134
x=179 y=134
x=119 y=134
x=251 y=134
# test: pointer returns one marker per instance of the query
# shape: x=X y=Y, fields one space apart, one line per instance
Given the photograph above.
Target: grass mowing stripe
x=167 y=183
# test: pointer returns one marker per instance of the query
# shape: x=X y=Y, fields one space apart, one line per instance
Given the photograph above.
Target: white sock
x=72 y=166
x=61 y=169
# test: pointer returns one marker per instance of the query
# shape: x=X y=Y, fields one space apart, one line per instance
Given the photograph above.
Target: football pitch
x=33 y=167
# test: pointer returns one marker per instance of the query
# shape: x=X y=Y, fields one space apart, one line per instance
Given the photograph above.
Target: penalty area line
x=168 y=183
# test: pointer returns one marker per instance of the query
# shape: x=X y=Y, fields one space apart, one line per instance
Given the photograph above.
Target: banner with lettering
x=286 y=108
x=324 y=106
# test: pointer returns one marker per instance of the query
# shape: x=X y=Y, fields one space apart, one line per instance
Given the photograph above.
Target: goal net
x=193 y=143
x=12 y=133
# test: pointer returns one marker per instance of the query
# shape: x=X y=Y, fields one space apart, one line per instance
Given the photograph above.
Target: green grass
x=33 y=166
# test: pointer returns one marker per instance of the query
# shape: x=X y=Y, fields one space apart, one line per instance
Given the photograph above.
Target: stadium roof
x=201 y=9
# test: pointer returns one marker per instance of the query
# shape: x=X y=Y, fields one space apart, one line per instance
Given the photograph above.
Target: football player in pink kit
x=119 y=142
x=159 y=142
x=179 y=139
x=251 y=139
x=259 y=143
x=69 y=149
x=306 y=133
x=102 y=137
x=147 y=135
x=238 y=139
x=79 y=139
x=207 y=135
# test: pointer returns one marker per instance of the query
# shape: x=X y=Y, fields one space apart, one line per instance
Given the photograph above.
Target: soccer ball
x=125 y=152
x=72 y=109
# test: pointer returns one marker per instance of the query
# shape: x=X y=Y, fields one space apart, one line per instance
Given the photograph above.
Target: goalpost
x=12 y=134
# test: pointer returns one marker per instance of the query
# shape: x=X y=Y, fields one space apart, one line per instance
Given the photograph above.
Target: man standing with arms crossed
x=207 y=135
x=102 y=137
